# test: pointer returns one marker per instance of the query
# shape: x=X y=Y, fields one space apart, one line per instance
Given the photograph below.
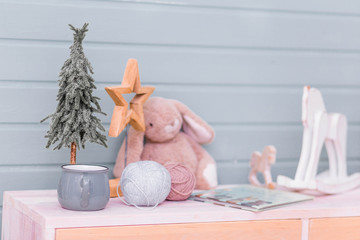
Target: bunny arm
x=194 y=126
x=134 y=149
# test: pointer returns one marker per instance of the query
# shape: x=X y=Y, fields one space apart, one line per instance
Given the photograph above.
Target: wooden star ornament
x=122 y=114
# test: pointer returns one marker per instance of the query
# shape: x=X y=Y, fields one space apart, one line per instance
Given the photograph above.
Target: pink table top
x=43 y=208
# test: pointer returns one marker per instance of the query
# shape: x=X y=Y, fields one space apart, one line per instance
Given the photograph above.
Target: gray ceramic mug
x=83 y=187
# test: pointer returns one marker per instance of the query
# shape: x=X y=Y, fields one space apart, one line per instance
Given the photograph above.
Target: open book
x=249 y=197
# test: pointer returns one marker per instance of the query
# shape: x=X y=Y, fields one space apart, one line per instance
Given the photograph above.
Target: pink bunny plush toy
x=173 y=134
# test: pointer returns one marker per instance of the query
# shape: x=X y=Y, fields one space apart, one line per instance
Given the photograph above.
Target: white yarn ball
x=145 y=183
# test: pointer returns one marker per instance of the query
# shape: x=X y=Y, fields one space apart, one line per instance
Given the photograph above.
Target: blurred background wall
x=241 y=65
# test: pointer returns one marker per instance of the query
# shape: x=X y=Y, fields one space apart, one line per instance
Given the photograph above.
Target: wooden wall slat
x=320 y=6
x=28 y=148
x=346 y=7
x=232 y=143
x=166 y=25
x=29 y=61
x=238 y=142
x=248 y=104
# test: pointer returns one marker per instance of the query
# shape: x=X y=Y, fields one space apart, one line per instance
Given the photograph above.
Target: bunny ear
x=194 y=126
x=134 y=150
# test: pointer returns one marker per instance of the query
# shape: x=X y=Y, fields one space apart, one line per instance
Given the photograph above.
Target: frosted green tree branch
x=73 y=120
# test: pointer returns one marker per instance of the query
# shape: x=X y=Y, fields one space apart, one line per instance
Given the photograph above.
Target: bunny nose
x=170 y=128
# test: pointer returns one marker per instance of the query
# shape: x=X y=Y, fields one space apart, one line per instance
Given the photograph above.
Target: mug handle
x=85 y=191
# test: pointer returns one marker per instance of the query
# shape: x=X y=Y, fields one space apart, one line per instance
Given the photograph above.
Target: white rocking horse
x=320 y=127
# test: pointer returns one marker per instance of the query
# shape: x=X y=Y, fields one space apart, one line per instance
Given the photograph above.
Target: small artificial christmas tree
x=73 y=122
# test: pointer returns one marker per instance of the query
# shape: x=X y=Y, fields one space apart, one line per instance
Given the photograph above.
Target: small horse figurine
x=261 y=163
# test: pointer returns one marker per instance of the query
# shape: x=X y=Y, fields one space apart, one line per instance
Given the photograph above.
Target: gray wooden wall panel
x=169 y=25
x=232 y=143
x=345 y=7
x=228 y=104
x=160 y=64
x=240 y=65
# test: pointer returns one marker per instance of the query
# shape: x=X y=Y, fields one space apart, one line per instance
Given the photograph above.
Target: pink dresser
x=37 y=215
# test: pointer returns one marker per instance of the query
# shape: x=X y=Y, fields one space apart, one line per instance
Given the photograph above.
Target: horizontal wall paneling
x=32 y=61
x=232 y=143
x=216 y=104
x=166 y=25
